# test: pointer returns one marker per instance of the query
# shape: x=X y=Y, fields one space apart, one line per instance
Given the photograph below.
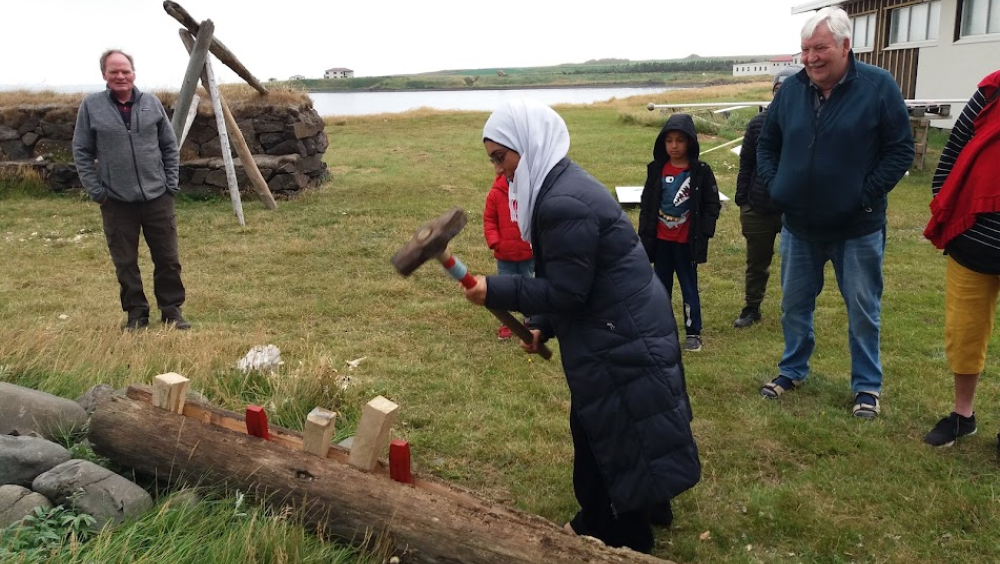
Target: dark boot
x=176 y=320
x=136 y=323
x=748 y=317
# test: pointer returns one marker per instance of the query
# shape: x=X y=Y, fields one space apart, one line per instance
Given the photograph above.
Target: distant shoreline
x=512 y=87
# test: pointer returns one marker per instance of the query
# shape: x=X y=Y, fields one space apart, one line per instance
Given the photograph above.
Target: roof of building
x=339 y=69
x=816 y=5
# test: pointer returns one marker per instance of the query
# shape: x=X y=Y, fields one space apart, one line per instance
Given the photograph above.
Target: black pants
x=760 y=231
x=597 y=516
x=157 y=221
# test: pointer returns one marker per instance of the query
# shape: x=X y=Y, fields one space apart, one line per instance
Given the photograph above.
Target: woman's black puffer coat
x=595 y=292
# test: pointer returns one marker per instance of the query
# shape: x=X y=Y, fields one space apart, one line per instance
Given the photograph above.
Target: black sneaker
x=178 y=322
x=748 y=317
x=136 y=323
x=692 y=343
x=950 y=428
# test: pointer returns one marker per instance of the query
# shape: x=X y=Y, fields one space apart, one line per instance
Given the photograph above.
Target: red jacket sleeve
x=491 y=225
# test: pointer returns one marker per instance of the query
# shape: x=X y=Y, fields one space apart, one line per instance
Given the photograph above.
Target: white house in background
x=338 y=72
x=297 y=77
x=766 y=67
x=935 y=49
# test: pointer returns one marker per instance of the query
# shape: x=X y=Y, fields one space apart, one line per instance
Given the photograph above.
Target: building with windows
x=936 y=49
x=338 y=72
x=766 y=67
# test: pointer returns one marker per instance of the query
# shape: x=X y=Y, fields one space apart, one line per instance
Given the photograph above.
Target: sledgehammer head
x=430 y=240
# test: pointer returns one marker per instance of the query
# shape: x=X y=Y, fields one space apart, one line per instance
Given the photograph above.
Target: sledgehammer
x=431 y=242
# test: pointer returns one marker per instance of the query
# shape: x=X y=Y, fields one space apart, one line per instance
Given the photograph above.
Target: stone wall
x=288 y=143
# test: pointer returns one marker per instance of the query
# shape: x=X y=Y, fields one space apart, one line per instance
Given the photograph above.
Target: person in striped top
x=965 y=223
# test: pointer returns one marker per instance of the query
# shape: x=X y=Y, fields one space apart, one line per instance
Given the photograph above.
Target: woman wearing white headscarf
x=595 y=292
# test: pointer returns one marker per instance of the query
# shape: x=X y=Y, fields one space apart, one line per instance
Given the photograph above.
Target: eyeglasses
x=498 y=160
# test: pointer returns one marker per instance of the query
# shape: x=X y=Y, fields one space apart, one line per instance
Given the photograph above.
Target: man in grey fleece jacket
x=127 y=158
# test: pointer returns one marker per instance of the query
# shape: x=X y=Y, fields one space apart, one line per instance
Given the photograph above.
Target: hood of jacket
x=684 y=124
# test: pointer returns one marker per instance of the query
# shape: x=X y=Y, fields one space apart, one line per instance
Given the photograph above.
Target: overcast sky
x=53 y=43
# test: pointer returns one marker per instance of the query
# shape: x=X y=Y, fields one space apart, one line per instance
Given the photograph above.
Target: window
x=863 y=36
x=916 y=23
x=980 y=17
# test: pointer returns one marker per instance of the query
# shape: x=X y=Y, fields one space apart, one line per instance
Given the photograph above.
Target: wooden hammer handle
x=518 y=328
x=460 y=272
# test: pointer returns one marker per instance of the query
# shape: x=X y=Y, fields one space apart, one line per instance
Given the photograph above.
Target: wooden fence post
x=227 y=154
x=199 y=54
x=242 y=149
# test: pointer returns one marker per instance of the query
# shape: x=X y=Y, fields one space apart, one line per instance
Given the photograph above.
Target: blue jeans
x=516 y=267
x=857 y=264
x=670 y=258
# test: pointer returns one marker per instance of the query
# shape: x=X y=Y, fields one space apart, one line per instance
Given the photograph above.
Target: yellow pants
x=970 y=304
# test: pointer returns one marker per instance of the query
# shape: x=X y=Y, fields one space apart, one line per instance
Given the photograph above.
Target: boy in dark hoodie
x=677 y=215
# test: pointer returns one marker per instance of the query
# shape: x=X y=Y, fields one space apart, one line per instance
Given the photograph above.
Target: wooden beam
x=170 y=391
x=227 y=57
x=318 y=431
x=227 y=154
x=192 y=113
x=262 y=161
x=199 y=54
x=372 y=436
x=335 y=499
x=242 y=149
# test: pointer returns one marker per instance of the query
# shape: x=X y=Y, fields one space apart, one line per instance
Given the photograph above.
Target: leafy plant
x=46 y=529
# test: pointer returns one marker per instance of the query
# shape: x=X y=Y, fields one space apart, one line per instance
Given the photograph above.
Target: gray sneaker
x=692 y=343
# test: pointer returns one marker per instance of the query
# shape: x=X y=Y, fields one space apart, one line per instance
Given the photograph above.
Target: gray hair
x=836 y=21
x=109 y=52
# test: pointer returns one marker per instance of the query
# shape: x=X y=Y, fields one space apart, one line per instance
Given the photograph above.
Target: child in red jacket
x=503 y=236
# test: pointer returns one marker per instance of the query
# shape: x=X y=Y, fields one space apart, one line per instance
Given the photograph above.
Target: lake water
x=367 y=103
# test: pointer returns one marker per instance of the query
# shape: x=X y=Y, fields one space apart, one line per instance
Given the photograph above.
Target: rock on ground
x=22 y=459
x=16 y=503
x=24 y=411
x=95 y=490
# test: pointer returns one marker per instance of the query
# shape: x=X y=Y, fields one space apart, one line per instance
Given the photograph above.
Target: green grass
x=796 y=480
x=181 y=531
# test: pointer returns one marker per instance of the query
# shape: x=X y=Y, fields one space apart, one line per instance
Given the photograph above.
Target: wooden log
x=289 y=439
x=199 y=54
x=170 y=391
x=242 y=149
x=372 y=436
x=318 y=431
x=262 y=161
x=226 y=56
x=421 y=526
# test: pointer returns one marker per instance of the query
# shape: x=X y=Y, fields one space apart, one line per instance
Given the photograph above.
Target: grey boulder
x=24 y=411
x=16 y=503
x=94 y=490
x=22 y=459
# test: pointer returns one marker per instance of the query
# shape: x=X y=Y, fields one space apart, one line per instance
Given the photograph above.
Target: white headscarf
x=537 y=133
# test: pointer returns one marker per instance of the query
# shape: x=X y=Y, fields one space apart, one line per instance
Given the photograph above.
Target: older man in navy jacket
x=836 y=141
